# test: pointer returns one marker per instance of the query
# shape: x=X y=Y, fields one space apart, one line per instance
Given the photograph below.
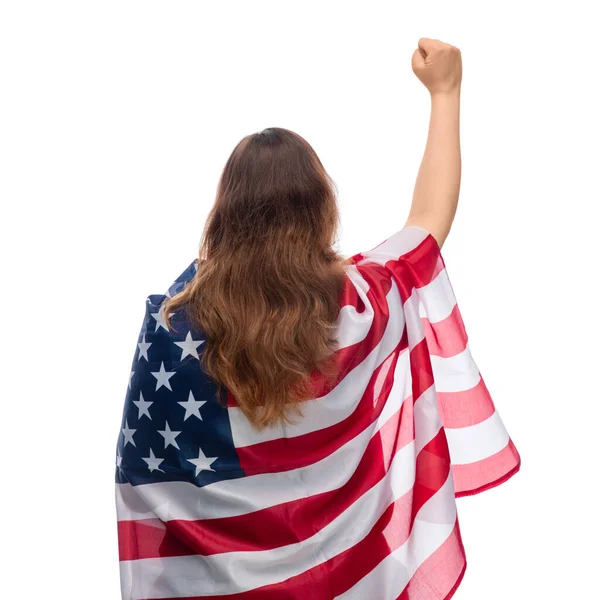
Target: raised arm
x=436 y=193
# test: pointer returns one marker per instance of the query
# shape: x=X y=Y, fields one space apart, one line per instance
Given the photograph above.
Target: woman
x=298 y=424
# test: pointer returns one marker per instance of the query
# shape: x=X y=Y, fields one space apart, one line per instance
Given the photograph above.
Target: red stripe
x=424 y=262
x=447 y=337
x=432 y=469
x=334 y=576
x=276 y=526
x=338 y=574
x=420 y=369
x=416 y=268
x=285 y=454
x=465 y=408
x=482 y=475
x=441 y=573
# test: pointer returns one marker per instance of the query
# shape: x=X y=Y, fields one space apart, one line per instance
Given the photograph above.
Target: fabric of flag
x=354 y=500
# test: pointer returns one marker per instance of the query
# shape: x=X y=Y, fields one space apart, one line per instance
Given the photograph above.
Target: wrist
x=446 y=95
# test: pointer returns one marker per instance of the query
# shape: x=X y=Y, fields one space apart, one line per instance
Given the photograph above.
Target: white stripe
x=398 y=244
x=476 y=442
x=452 y=373
x=240 y=496
x=455 y=373
x=433 y=524
x=415 y=329
x=427 y=418
x=434 y=302
x=437 y=298
x=337 y=404
x=234 y=572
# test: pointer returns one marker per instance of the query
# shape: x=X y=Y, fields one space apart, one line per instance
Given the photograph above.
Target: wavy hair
x=267 y=289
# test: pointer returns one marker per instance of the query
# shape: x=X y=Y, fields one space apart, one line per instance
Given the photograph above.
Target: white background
x=116 y=119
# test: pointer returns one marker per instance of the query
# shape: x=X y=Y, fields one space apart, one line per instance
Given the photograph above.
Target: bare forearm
x=436 y=192
x=439 y=67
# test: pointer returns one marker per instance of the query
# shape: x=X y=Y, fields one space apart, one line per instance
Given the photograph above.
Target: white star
x=159 y=316
x=143 y=406
x=119 y=459
x=169 y=436
x=189 y=346
x=130 y=376
x=202 y=462
x=163 y=377
x=128 y=433
x=153 y=462
x=192 y=407
x=143 y=348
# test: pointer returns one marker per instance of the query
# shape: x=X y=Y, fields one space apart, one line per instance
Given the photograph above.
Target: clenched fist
x=437 y=65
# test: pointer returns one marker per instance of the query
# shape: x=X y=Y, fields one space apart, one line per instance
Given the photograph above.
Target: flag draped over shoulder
x=356 y=499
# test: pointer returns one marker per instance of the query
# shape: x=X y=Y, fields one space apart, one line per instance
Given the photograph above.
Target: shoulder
x=410 y=257
x=402 y=245
x=181 y=280
x=154 y=302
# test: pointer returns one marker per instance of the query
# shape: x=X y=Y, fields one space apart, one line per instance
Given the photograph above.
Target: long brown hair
x=268 y=283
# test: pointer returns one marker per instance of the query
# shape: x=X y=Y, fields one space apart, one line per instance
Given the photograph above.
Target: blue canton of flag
x=173 y=427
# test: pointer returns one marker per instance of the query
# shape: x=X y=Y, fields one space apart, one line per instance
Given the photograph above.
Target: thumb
x=417 y=60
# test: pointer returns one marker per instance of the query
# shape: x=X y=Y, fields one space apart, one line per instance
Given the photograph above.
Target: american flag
x=356 y=499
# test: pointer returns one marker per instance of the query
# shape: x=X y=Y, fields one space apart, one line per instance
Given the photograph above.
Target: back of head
x=267 y=289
